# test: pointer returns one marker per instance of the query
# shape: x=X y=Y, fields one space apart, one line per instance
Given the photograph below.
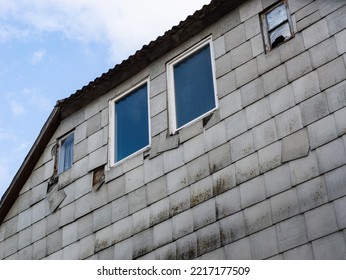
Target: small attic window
x=65 y=157
x=276 y=25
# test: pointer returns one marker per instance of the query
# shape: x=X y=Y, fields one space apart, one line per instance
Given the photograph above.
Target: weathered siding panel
x=264 y=177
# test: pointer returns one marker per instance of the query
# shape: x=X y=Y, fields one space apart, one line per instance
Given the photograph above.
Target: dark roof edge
x=191 y=26
x=29 y=163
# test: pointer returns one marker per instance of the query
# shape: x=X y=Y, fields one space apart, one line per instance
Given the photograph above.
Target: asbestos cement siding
x=263 y=178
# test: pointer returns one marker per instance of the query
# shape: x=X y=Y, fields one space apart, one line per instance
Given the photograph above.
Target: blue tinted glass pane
x=66 y=153
x=194 y=89
x=131 y=123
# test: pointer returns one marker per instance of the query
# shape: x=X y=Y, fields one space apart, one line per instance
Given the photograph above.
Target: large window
x=129 y=123
x=191 y=85
x=276 y=25
x=65 y=157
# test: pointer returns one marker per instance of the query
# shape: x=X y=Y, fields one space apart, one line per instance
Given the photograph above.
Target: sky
x=51 y=48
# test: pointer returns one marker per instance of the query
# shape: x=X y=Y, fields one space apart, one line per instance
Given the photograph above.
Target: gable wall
x=263 y=178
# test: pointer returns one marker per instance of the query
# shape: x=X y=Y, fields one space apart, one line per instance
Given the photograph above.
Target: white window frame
x=265 y=31
x=60 y=150
x=111 y=137
x=171 y=88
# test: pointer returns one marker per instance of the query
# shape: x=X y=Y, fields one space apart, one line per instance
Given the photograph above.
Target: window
x=276 y=25
x=65 y=157
x=191 y=85
x=129 y=116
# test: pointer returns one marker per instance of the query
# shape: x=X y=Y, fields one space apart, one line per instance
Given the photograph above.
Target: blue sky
x=49 y=49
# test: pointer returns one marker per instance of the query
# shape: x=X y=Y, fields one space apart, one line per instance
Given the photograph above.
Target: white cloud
x=7 y=7
x=37 y=100
x=12 y=152
x=17 y=109
x=23 y=147
x=7 y=135
x=7 y=158
x=38 y=56
x=5 y=176
x=10 y=161
x=8 y=32
x=124 y=26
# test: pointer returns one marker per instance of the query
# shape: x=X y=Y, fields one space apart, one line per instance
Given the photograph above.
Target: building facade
x=225 y=138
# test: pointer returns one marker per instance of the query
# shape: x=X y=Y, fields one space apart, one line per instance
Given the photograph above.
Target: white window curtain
x=66 y=153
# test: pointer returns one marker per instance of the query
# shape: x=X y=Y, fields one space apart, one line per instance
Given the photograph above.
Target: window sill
x=205 y=119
